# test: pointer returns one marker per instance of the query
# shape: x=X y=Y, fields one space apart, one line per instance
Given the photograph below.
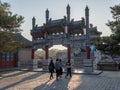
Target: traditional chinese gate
x=65 y=31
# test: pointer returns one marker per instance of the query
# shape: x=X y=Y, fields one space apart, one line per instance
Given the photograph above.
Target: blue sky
x=99 y=11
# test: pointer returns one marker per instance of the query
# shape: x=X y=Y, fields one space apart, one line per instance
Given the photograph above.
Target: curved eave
x=21 y=38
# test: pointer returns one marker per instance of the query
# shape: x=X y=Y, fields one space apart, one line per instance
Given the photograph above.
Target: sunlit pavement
x=26 y=80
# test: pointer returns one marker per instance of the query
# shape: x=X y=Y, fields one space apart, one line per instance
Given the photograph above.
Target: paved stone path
x=24 y=80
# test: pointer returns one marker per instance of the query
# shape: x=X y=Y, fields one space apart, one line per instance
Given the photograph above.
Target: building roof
x=21 y=38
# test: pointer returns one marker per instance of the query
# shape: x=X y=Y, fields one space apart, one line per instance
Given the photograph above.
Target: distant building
x=21 y=58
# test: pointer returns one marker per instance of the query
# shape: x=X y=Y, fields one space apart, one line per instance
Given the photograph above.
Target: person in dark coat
x=68 y=66
x=57 y=68
x=61 y=70
x=51 y=69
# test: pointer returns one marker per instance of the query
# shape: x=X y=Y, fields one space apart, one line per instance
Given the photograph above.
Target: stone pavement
x=28 y=80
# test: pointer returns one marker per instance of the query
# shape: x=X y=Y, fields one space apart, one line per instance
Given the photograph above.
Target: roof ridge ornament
x=47 y=15
x=68 y=13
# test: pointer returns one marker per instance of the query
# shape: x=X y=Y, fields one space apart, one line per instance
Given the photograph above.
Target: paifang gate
x=63 y=31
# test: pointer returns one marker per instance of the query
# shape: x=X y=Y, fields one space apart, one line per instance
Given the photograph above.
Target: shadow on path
x=61 y=84
x=23 y=80
x=14 y=74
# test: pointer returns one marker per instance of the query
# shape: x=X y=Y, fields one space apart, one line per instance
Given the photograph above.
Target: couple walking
x=59 y=70
x=57 y=66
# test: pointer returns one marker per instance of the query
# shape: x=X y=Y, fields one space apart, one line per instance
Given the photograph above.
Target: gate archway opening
x=58 y=51
x=40 y=53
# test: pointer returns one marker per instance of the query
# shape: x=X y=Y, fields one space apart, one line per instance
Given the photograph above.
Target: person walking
x=68 y=66
x=57 y=68
x=61 y=69
x=51 y=69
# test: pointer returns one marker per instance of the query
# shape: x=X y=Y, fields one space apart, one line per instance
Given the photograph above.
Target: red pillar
x=32 y=55
x=33 y=51
x=88 y=52
x=69 y=53
x=46 y=52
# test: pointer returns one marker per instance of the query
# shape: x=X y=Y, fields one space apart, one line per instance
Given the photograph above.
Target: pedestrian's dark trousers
x=57 y=73
x=68 y=72
x=51 y=75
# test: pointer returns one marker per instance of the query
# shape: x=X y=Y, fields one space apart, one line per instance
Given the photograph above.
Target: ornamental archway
x=64 y=31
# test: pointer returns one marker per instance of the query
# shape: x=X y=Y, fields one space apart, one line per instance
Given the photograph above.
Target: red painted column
x=69 y=53
x=32 y=55
x=46 y=52
x=88 y=52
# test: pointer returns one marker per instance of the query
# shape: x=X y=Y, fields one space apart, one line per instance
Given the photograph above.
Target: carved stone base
x=34 y=64
x=88 y=65
x=45 y=65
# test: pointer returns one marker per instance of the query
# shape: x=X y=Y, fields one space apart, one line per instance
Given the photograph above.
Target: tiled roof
x=21 y=38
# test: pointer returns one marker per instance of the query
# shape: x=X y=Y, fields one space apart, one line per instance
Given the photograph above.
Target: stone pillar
x=46 y=52
x=88 y=63
x=69 y=53
x=45 y=61
x=87 y=32
x=34 y=61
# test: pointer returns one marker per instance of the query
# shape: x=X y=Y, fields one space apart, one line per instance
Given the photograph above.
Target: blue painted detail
x=77 y=44
x=82 y=37
x=39 y=41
